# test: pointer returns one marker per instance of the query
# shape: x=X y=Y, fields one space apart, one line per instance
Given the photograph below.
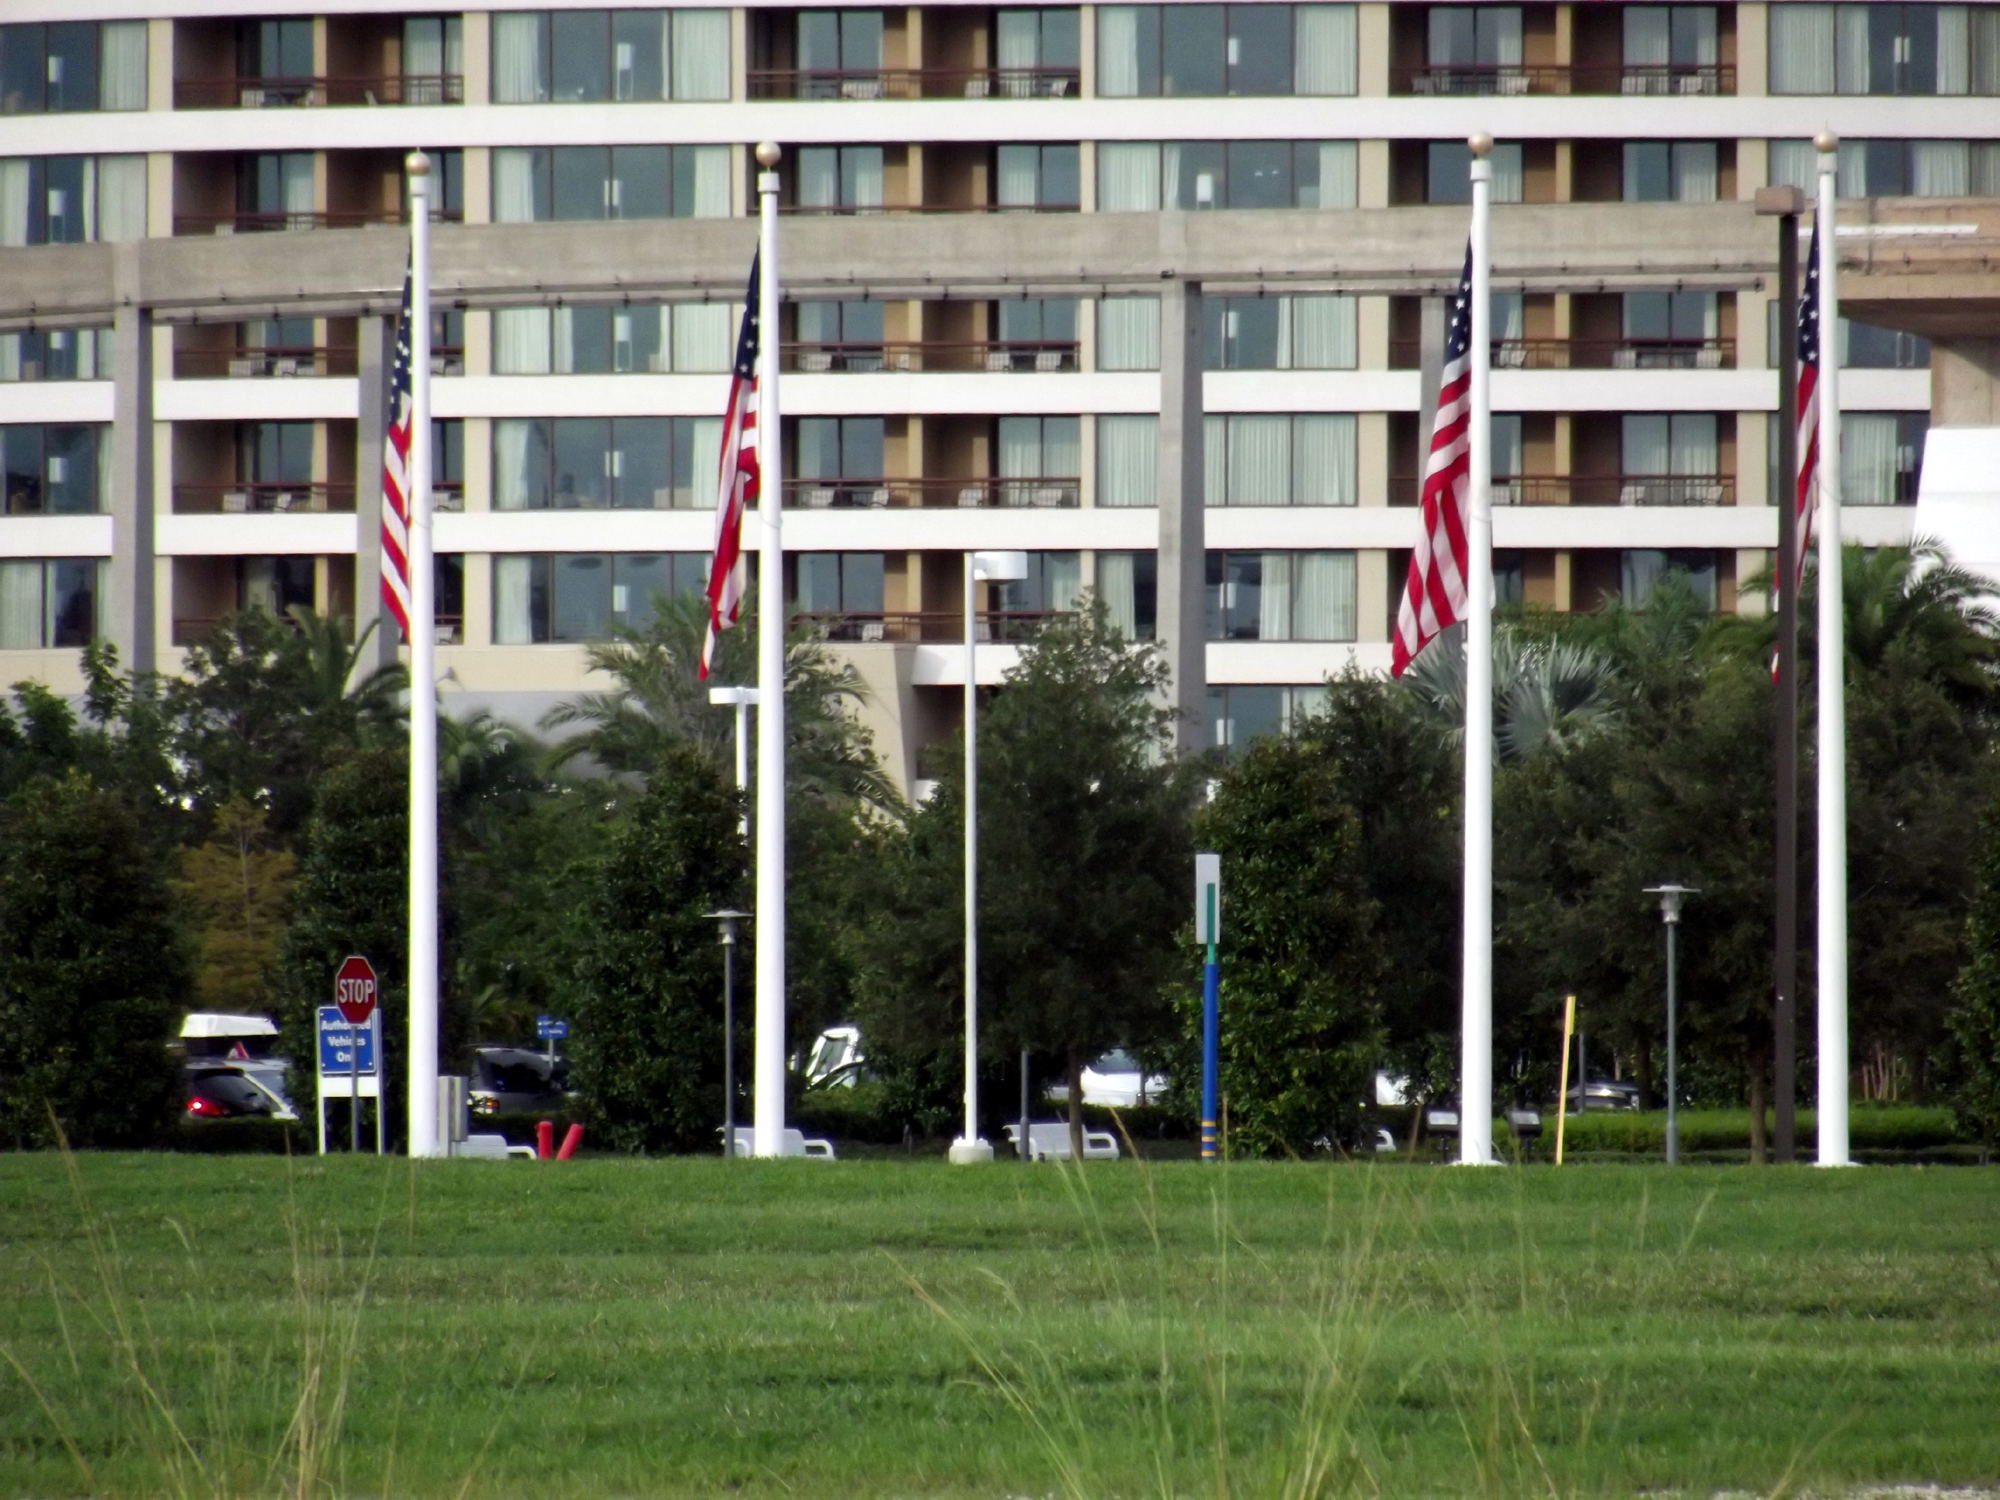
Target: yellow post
x=1562 y=1088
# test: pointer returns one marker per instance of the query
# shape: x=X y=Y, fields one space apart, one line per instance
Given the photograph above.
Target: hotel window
x=68 y=66
x=1053 y=585
x=56 y=470
x=581 y=596
x=1275 y=459
x=49 y=602
x=275 y=190
x=600 y=463
x=1144 y=176
x=72 y=200
x=433 y=59
x=1893 y=168
x=1148 y=51
x=1866 y=347
x=1640 y=570
x=1128 y=460
x=836 y=583
x=1280 y=596
x=1484 y=41
x=1037 y=177
x=839 y=179
x=1881 y=456
x=1670 y=459
x=1671 y=172
x=1885 y=49
x=1448 y=174
x=1241 y=712
x=1040 y=459
x=1041 y=321
x=275 y=452
x=534 y=184
x=1128 y=333
x=635 y=338
x=1128 y=583
x=829 y=450
x=1670 y=331
x=840 y=54
x=1039 y=52
x=56 y=354
x=1315 y=332
x=591 y=56
x=1671 y=49
x=846 y=335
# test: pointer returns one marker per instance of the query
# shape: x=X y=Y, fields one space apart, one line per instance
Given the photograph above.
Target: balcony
x=973 y=492
x=971 y=355
x=994 y=626
x=315 y=93
x=262 y=498
x=1508 y=79
x=1594 y=489
x=915 y=83
x=1590 y=354
x=245 y=221
x=253 y=361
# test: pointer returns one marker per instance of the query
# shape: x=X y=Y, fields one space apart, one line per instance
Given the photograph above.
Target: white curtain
x=1115 y=586
x=1985 y=170
x=1506 y=159
x=1940 y=169
x=562 y=341
x=1214 y=460
x=1128 y=333
x=705 y=471
x=1852 y=181
x=121 y=65
x=1509 y=315
x=1696 y=176
x=1170 y=176
x=520 y=72
x=1850 y=61
x=1339 y=174
x=1326 y=53
x=1954 y=49
x=1793 y=164
x=862 y=166
x=121 y=198
x=1868 y=458
x=1645 y=445
x=296 y=169
x=711 y=181
x=512 y=440
x=1325 y=606
x=1801 y=49
x=1062 y=447
x=1260 y=460
x=1128 y=458
x=1062 y=580
x=1274 y=598
x=1648 y=40
x=1019 y=176
x=1985 y=50
x=1020 y=447
x=15 y=175
x=1324 y=458
x=510 y=599
x=701 y=336
x=1506 y=439
x=513 y=185
x=1020 y=40
x=10 y=356
x=1128 y=177
x=700 y=54
x=1692 y=446
x=423 y=48
x=819 y=177
x=20 y=606
x=1640 y=568
x=1117 y=51
x=521 y=341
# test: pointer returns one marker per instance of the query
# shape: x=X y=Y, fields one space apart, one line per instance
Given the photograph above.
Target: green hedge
x=1904 y=1128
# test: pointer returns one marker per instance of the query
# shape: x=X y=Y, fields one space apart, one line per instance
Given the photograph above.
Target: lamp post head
x=768 y=155
x=1670 y=900
x=1480 y=143
x=733 y=697
x=728 y=917
x=417 y=164
x=1000 y=567
x=1826 y=143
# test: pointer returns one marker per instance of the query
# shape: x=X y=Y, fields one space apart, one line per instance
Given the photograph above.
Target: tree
x=1974 y=1020
x=647 y=1048
x=1547 y=692
x=92 y=975
x=1298 y=1033
x=235 y=890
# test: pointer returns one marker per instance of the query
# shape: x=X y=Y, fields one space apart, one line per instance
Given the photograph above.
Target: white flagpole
x=423 y=1061
x=1475 y=1101
x=768 y=1068
x=1832 y=691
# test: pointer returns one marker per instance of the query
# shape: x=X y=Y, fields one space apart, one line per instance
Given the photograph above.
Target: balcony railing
x=1591 y=354
x=1501 y=79
x=190 y=630
x=972 y=492
x=253 y=222
x=261 y=497
x=1593 y=489
x=310 y=93
x=914 y=83
x=1040 y=357
x=874 y=210
x=250 y=361
x=996 y=626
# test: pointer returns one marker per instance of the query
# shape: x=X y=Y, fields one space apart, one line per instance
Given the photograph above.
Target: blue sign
x=338 y=1040
x=551 y=1028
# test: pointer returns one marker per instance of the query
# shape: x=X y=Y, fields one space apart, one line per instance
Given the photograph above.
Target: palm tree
x=1548 y=692
x=325 y=665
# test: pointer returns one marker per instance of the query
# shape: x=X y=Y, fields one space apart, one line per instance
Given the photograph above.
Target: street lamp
x=987 y=567
x=742 y=699
x=729 y=917
x=1670 y=913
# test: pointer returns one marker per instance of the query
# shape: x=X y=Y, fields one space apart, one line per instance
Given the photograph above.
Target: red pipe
x=570 y=1142
x=545 y=1139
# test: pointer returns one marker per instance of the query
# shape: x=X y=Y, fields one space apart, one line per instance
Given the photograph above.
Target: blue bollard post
x=1210 y=1019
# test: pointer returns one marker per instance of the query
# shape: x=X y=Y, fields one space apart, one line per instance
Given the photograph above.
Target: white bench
x=489 y=1148
x=1049 y=1141
x=795 y=1143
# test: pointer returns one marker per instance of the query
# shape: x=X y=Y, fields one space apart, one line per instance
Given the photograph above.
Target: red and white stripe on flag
x=1436 y=595
x=737 y=484
x=1807 y=493
x=396 y=478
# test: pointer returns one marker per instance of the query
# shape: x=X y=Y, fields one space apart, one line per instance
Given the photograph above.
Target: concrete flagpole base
x=965 y=1153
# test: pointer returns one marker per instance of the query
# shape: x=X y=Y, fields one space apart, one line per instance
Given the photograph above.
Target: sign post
x=354 y=993
x=1208 y=931
x=551 y=1029
x=348 y=1063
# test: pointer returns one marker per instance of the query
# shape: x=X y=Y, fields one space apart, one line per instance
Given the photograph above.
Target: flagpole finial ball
x=417 y=164
x=1826 y=141
x=768 y=154
x=1480 y=142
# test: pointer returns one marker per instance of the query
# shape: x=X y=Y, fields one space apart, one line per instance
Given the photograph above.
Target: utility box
x=454 y=1120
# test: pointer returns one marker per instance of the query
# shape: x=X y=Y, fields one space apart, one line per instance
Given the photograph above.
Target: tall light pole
x=729 y=917
x=742 y=699
x=980 y=567
x=1670 y=913
x=768 y=1056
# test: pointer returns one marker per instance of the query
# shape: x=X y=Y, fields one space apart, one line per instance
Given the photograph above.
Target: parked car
x=510 y=1080
x=1602 y=1093
x=212 y=1038
x=231 y=1093
x=1115 y=1081
x=835 y=1059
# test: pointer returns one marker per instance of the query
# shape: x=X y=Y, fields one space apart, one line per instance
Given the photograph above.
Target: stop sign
x=354 y=990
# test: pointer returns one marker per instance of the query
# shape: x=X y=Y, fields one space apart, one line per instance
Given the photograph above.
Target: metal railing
x=1040 y=357
x=315 y=93
x=1490 y=80
x=995 y=626
x=190 y=630
x=1592 y=489
x=245 y=221
x=915 y=83
x=241 y=361
x=973 y=492
x=261 y=497
x=873 y=210
x=1590 y=354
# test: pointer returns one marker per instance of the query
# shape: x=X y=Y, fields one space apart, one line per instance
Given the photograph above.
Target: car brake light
x=200 y=1106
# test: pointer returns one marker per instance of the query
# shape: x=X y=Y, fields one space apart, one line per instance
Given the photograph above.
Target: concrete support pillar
x=373 y=413
x=1430 y=362
x=1183 y=537
x=129 y=620
x=1965 y=383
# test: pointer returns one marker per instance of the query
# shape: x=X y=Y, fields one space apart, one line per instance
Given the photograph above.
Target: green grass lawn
x=695 y=1327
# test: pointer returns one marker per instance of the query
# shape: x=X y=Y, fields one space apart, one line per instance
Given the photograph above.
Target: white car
x=1116 y=1081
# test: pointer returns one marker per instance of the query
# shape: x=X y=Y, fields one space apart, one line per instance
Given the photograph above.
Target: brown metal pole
x=1785 y=967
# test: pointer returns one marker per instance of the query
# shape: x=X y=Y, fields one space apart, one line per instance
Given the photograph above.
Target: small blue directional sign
x=337 y=1041
x=551 y=1028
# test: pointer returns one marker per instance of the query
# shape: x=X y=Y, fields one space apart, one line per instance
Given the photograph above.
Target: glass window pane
x=520 y=61
x=1252 y=333
x=521 y=463
x=1193 y=175
x=1260 y=460
x=861 y=443
x=641 y=463
x=70 y=459
x=581 y=450
x=20 y=605
x=72 y=602
x=1448 y=178
x=1128 y=333
x=817 y=441
x=583 y=340
x=23 y=69
x=819 y=41
x=1648 y=178
x=580 y=44
x=22 y=448
x=1062 y=177
x=638 y=54
x=637 y=579
x=1062 y=41
x=1260 y=174
x=1127 y=460
x=1260 y=49
x=582 y=182
x=520 y=185
x=72 y=66
x=639 y=185
x=1128 y=51
x=700 y=54
x=582 y=588
x=636 y=341
x=860 y=41
x=818 y=575
x=67 y=208
x=1192 y=50
x=1128 y=177
x=861 y=579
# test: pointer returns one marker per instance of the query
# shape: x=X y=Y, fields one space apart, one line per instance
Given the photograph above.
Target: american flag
x=396 y=477
x=1436 y=595
x=1807 y=495
x=737 y=483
